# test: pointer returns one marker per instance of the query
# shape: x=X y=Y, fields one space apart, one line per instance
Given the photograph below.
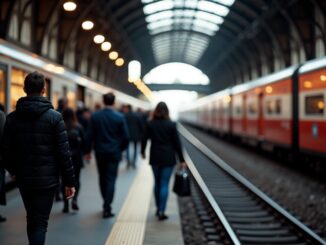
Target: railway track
x=247 y=215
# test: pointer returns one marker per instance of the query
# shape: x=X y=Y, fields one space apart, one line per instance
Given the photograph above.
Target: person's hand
x=183 y=165
x=88 y=157
x=70 y=192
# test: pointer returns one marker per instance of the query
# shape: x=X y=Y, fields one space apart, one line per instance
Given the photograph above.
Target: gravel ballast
x=301 y=194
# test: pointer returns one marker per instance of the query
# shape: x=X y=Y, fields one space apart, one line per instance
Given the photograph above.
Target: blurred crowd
x=44 y=151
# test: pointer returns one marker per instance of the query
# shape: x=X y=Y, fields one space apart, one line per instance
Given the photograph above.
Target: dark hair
x=2 y=108
x=108 y=99
x=161 y=111
x=70 y=118
x=34 y=83
x=62 y=103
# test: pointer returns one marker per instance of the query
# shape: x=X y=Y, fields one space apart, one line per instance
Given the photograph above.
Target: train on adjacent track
x=283 y=112
x=16 y=63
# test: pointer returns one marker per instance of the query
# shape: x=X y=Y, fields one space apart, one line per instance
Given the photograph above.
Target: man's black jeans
x=108 y=170
x=38 y=205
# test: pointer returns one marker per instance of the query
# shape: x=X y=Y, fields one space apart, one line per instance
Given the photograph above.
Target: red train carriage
x=221 y=112
x=282 y=110
x=312 y=115
x=238 y=114
x=262 y=110
x=254 y=115
x=277 y=123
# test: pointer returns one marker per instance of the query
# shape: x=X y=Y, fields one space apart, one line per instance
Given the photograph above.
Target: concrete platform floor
x=167 y=232
x=86 y=227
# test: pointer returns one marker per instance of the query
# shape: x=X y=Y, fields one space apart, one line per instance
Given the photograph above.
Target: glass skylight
x=225 y=2
x=209 y=17
x=158 y=24
x=159 y=16
x=213 y=8
x=178 y=26
x=158 y=6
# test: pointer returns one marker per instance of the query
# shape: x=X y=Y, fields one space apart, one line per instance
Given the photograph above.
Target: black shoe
x=2 y=219
x=157 y=213
x=162 y=216
x=57 y=198
x=107 y=214
x=74 y=205
x=65 y=209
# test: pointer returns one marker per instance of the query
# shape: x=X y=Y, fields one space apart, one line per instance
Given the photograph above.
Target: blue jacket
x=107 y=133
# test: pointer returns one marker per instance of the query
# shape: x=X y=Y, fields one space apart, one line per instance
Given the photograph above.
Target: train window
x=17 y=84
x=269 y=107
x=238 y=110
x=278 y=106
x=3 y=82
x=252 y=108
x=225 y=110
x=315 y=105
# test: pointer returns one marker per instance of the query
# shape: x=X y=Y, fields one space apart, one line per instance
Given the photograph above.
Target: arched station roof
x=231 y=41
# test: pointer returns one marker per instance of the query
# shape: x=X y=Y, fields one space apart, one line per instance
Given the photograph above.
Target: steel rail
x=211 y=200
x=222 y=164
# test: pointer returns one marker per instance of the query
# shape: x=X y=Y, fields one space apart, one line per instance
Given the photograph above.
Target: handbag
x=181 y=185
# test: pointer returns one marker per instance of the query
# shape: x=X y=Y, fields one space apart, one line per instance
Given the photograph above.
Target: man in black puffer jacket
x=36 y=152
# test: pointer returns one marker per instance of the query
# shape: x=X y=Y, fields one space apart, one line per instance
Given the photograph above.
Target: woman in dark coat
x=2 y=170
x=76 y=143
x=165 y=145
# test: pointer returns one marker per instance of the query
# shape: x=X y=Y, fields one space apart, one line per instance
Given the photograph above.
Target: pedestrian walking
x=108 y=134
x=165 y=145
x=135 y=127
x=36 y=152
x=76 y=140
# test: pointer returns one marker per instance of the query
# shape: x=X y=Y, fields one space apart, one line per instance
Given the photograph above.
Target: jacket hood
x=32 y=106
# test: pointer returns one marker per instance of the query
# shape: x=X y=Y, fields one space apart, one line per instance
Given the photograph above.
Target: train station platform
x=134 y=222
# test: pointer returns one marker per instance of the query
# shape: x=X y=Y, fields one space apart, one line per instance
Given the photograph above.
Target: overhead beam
x=205 y=89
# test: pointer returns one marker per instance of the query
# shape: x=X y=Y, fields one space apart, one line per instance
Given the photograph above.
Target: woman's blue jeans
x=162 y=177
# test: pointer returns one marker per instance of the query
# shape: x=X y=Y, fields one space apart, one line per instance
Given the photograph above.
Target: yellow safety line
x=130 y=225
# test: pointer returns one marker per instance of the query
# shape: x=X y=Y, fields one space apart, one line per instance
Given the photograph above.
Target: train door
x=89 y=102
x=48 y=93
x=215 y=115
x=81 y=93
x=3 y=87
x=221 y=116
x=260 y=115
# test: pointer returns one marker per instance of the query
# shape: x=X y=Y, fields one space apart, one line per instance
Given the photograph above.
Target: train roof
x=19 y=54
x=208 y=98
x=313 y=65
x=286 y=73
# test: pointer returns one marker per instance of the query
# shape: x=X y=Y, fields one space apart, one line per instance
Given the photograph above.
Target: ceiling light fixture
x=106 y=46
x=119 y=62
x=99 y=39
x=87 y=25
x=69 y=6
x=113 y=55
